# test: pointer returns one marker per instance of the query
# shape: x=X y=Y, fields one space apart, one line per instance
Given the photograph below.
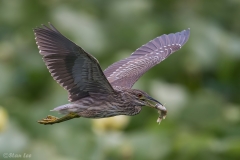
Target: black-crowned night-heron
x=97 y=94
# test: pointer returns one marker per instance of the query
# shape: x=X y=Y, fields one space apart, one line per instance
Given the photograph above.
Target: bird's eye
x=139 y=95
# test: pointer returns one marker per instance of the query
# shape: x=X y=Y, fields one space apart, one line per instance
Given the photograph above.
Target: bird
x=94 y=93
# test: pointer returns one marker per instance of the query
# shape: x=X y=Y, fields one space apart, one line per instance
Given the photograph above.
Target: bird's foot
x=48 y=120
x=52 y=119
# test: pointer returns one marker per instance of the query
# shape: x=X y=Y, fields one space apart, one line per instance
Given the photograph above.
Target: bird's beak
x=155 y=104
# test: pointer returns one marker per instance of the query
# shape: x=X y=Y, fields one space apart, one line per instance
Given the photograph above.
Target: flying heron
x=94 y=93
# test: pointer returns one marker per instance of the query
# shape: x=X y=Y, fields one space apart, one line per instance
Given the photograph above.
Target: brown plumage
x=97 y=94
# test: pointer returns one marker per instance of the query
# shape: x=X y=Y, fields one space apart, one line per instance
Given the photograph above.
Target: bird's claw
x=52 y=120
x=48 y=120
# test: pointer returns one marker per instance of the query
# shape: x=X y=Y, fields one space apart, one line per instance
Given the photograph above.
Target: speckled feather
x=79 y=72
x=127 y=71
x=97 y=94
x=121 y=102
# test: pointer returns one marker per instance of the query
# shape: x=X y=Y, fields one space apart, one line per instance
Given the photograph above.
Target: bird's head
x=143 y=99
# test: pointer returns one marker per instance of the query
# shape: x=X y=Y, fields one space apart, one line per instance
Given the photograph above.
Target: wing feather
x=126 y=72
x=73 y=68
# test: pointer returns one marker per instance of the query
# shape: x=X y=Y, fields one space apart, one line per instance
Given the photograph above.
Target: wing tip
x=50 y=27
x=186 y=32
x=183 y=36
x=187 y=35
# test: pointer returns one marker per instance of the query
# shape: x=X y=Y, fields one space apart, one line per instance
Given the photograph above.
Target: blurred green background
x=199 y=85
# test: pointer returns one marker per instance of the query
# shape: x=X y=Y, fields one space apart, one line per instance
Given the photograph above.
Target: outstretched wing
x=73 y=68
x=126 y=72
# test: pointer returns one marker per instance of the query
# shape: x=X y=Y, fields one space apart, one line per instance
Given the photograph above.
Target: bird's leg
x=51 y=119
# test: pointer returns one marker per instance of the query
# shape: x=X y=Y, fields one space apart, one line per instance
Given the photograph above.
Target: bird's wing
x=73 y=68
x=126 y=72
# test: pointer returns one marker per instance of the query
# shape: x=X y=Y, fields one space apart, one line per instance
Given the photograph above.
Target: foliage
x=200 y=84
